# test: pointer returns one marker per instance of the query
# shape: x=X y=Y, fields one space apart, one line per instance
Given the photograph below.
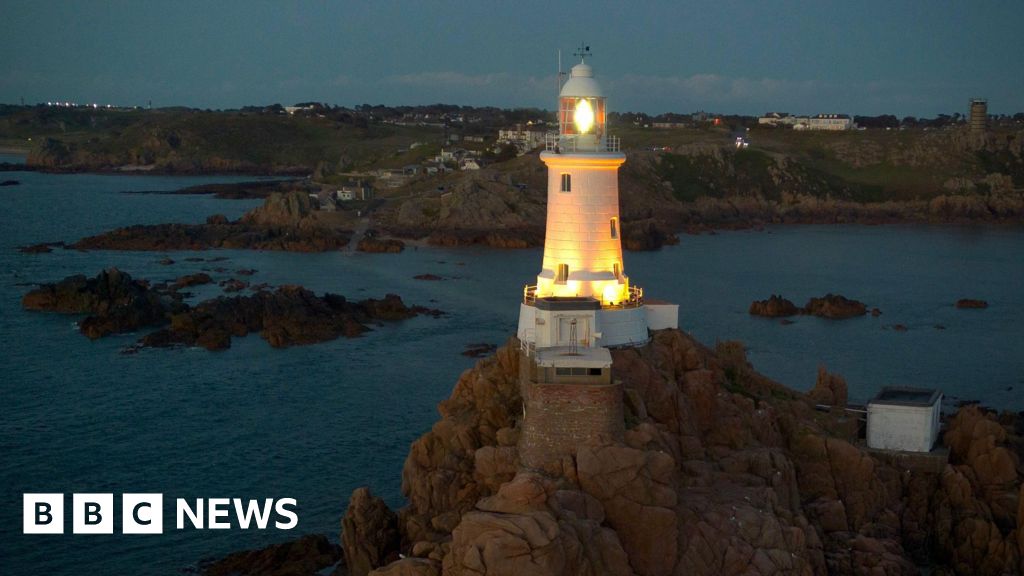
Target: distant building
x=904 y=419
x=293 y=109
x=524 y=139
x=777 y=119
x=978 y=118
x=473 y=138
x=391 y=177
x=353 y=191
x=830 y=122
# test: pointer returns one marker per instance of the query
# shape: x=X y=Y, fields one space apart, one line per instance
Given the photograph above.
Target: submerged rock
x=967 y=303
x=43 y=248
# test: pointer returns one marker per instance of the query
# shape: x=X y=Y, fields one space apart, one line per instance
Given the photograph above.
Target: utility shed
x=903 y=418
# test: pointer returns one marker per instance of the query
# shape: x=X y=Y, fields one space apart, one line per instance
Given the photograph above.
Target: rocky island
x=289 y=316
x=722 y=471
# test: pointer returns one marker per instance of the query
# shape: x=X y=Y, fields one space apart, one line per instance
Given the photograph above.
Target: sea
x=314 y=422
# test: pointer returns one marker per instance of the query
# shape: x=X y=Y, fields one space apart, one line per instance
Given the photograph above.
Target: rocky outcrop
x=163 y=237
x=646 y=235
x=968 y=303
x=829 y=389
x=525 y=237
x=113 y=301
x=306 y=556
x=978 y=504
x=369 y=533
x=831 y=306
x=285 y=222
x=774 y=307
x=43 y=248
x=835 y=307
x=721 y=472
x=377 y=245
x=288 y=316
x=188 y=280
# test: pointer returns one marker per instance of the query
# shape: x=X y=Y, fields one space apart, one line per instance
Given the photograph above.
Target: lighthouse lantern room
x=583 y=296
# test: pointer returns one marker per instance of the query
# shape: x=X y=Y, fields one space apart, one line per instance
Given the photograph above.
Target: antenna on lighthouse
x=558 y=79
x=583 y=52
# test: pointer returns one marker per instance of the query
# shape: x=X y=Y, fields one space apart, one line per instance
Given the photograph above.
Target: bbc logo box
x=92 y=514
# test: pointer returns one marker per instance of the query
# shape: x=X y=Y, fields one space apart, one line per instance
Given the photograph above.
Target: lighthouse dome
x=581 y=83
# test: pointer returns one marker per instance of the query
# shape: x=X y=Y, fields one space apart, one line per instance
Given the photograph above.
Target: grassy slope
x=195 y=138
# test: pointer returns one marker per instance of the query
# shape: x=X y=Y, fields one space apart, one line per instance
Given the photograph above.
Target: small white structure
x=906 y=419
x=830 y=122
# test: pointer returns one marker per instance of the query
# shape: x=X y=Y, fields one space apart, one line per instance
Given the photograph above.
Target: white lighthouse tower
x=583 y=302
x=583 y=297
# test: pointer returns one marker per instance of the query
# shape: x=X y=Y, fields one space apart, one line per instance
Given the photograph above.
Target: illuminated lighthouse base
x=583 y=296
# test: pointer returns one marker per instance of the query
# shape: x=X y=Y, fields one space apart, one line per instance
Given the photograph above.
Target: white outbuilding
x=903 y=418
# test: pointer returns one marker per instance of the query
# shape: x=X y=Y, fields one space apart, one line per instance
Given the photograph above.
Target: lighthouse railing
x=530 y=294
x=566 y=144
x=635 y=299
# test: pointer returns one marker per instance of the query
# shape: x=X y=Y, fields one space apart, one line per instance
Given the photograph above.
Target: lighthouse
x=582 y=302
x=583 y=297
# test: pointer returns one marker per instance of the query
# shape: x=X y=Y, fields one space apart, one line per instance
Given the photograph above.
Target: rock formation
x=831 y=306
x=371 y=242
x=306 y=556
x=286 y=221
x=829 y=389
x=369 y=533
x=774 y=307
x=721 y=472
x=971 y=303
x=288 y=316
x=113 y=301
x=835 y=307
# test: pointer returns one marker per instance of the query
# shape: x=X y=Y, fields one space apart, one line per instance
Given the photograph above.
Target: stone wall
x=561 y=417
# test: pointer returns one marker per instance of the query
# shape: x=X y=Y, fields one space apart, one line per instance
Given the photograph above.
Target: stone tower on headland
x=583 y=302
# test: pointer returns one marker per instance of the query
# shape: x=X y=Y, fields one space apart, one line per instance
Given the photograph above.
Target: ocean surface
x=314 y=422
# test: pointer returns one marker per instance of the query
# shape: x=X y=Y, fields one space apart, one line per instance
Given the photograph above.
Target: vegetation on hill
x=674 y=177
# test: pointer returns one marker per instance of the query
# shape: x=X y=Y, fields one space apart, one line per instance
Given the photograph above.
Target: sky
x=897 y=57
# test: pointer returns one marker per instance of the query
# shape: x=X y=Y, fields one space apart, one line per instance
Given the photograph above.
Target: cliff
x=722 y=471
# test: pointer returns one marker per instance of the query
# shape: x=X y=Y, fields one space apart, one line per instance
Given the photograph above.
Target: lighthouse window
x=566 y=182
x=615 y=227
x=615 y=269
x=563 y=274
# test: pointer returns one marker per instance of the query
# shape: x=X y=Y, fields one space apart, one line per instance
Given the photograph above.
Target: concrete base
x=609 y=327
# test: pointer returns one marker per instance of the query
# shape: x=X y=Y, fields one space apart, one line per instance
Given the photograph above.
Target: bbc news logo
x=144 y=513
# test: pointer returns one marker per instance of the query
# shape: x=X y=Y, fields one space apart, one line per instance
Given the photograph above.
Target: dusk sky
x=917 y=58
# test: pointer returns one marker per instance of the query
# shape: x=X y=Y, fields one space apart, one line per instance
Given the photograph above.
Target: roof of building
x=906 y=396
x=581 y=83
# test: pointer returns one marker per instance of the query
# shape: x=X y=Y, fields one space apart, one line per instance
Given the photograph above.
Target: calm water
x=315 y=422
